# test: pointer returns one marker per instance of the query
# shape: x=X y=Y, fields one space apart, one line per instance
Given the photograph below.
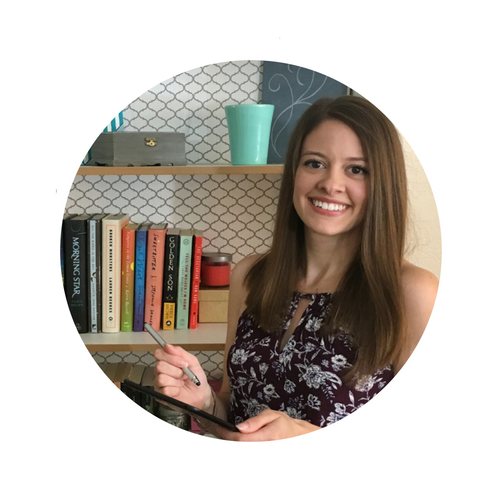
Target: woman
x=324 y=320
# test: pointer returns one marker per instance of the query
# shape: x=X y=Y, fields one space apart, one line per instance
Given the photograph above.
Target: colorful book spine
x=112 y=226
x=75 y=269
x=94 y=231
x=195 y=278
x=185 y=253
x=141 y=244
x=170 y=278
x=127 y=288
x=154 y=274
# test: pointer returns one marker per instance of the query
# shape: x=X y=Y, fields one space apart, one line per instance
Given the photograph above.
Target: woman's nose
x=333 y=180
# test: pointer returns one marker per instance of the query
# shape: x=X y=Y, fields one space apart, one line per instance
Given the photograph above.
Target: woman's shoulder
x=419 y=289
x=241 y=269
x=419 y=283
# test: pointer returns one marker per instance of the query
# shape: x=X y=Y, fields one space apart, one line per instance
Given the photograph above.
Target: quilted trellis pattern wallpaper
x=193 y=103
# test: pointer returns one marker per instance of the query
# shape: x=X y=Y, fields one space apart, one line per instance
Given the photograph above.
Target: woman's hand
x=172 y=381
x=267 y=426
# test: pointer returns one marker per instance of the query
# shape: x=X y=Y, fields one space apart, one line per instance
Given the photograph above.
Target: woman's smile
x=331 y=207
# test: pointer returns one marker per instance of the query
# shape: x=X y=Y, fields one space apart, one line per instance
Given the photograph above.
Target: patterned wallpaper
x=193 y=103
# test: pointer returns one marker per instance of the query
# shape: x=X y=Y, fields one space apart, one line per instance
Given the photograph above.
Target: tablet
x=191 y=410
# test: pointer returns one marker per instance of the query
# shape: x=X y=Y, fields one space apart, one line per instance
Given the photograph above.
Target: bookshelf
x=207 y=336
x=182 y=170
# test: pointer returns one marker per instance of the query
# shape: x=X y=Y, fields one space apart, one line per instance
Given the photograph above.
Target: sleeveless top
x=302 y=378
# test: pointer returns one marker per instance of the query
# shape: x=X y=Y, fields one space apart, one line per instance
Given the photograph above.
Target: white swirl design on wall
x=310 y=85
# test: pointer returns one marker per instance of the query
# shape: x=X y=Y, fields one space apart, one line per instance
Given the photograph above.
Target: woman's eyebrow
x=356 y=158
x=313 y=153
x=317 y=153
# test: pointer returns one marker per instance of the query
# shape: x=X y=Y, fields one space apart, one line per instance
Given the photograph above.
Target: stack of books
x=117 y=275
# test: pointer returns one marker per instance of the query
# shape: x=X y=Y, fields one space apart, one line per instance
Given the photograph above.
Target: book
x=110 y=370
x=75 y=269
x=155 y=255
x=184 y=285
x=127 y=287
x=148 y=377
x=94 y=246
x=141 y=244
x=122 y=373
x=112 y=226
x=170 y=278
x=117 y=372
x=135 y=375
x=195 y=278
x=61 y=253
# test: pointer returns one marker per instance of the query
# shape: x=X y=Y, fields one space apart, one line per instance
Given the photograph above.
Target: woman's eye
x=358 y=170
x=314 y=164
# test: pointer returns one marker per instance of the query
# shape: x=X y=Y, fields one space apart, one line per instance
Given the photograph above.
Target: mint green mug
x=249 y=127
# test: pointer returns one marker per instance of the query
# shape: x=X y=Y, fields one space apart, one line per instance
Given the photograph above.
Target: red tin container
x=216 y=269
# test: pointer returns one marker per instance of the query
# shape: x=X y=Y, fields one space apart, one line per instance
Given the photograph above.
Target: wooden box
x=213 y=302
x=139 y=149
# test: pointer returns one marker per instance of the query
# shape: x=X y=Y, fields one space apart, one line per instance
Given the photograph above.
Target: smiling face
x=331 y=181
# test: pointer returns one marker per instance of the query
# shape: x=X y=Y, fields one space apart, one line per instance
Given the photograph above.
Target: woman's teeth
x=328 y=206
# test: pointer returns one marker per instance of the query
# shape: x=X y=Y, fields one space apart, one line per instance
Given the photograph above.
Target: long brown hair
x=368 y=303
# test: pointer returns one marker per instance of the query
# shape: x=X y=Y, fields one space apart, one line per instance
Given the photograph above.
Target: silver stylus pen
x=160 y=341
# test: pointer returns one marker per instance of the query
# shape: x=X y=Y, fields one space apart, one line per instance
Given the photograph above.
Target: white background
x=432 y=67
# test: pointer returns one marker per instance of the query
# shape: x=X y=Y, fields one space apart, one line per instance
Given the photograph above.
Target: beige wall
x=424 y=233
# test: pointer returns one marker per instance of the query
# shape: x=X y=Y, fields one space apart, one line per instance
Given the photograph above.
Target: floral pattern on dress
x=302 y=378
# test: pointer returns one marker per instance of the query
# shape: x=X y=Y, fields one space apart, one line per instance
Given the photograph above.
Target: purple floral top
x=302 y=378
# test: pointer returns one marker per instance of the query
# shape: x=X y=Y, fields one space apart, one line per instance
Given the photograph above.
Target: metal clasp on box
x=150 y=141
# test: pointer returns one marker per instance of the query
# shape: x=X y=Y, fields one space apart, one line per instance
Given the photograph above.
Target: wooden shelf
x=182 y=170
x=207 y=337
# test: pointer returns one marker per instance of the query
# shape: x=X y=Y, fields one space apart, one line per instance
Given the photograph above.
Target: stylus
x=160 y=341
